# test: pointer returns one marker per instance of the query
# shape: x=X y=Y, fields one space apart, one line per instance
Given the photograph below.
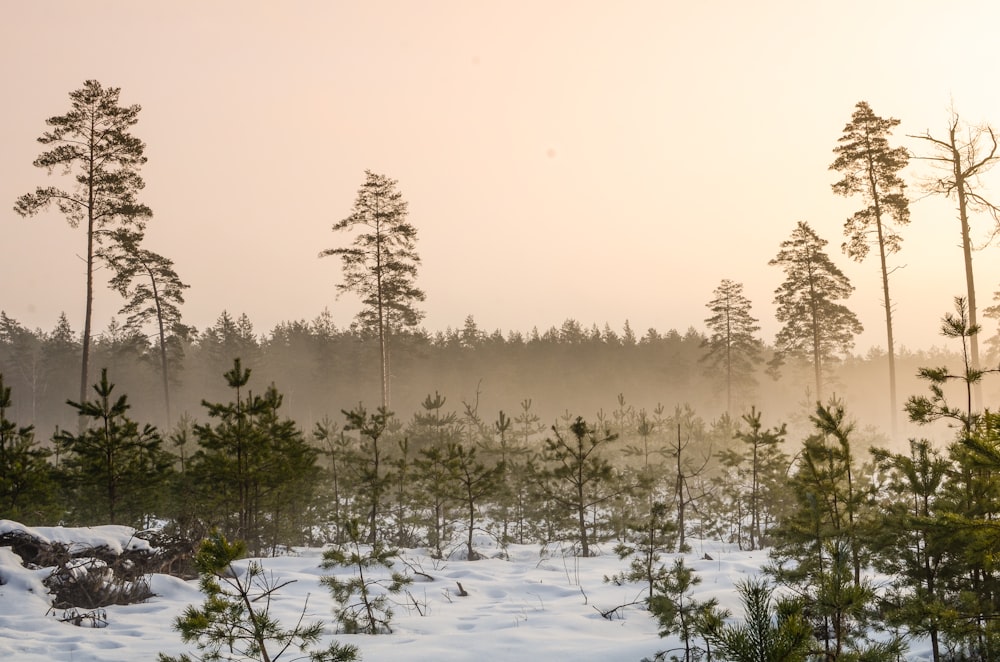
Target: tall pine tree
x=870 y=168
x=93 y=143
x=153 y=292
x=733 y=344
x=816 y=325
x=380 y=266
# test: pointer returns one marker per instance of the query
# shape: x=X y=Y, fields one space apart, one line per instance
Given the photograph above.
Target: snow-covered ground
x=535 y=605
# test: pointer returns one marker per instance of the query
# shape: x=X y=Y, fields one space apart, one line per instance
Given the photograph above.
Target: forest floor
x=534 y=603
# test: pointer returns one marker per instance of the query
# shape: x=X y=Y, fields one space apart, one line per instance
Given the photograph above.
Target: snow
x=535 y=604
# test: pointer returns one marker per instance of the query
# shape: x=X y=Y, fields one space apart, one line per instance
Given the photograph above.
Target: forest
x=386 y=433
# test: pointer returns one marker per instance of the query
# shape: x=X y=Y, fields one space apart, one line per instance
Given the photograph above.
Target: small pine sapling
x=678 y=612
x=645 y=541
x=234 y=623
x=772 y=630
x=363 y=598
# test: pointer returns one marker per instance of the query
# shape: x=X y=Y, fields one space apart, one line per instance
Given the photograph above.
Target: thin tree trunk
x=85 y=361
x=163 y=345
x=873 y=185
x=582 y=511
x=963 y=217
x=817 y=368
x=680 y=494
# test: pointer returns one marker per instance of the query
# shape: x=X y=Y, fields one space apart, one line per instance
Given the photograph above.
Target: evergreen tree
x=381 y=264
x=23 y=359
x=235 y=622
x=871 y=169
x=766 y=461
x=436 y=467
x=926 y=409
x=27 y=483
x=363 y=599
x=291 y=475
x=228 y=462
x=340 y=453
x=772 y=631
x=92 y=142
x=912 y=543
x=475 y=482
x=816 y=327
x=116 y=465
x=732 y=343
x=577 y=475
x=61 y=348
x=255 y=466
x=685 y=429
x=818 y=547
x=372 y=470
x=678 y=612
x=153 y=293
x=510 y=454
x=972 y=499
x=645 y=540
x=228 y=339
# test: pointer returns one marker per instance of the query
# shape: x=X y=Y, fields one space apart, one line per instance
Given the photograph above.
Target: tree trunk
x=163 y=344
x=963 y=217
x=85 y=361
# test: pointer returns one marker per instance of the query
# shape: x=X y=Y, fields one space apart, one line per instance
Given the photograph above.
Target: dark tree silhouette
x=816 y=325
x=93 y=143
x=870 y=168
x=380 y=266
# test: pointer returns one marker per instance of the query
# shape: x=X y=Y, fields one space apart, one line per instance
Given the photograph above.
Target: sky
x=566 y=159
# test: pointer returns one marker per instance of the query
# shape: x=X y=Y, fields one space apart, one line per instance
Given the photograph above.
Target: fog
x=573 y=370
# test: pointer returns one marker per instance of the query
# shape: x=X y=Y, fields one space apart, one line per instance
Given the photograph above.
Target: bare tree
x=966 y=153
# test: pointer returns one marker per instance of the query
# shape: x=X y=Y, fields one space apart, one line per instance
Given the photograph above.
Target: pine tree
x=926 y=409
x=363 y=598
x=818 y=551
x=577 y=475
x=255 y=470
x=733 y=343
x=765 y=459
x=871 y=169
x=474 y=482
x=675 y=607
x=772 y=630
x=911 y=542
x=153 y=293
x=381 y=265
x=371 y=471
x=645 y=540
x=235 y=622
x=816 y=327
x=27 y=483
x=116 y=464
x=94 y=143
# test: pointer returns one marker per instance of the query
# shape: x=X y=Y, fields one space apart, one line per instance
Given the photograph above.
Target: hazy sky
x=596 y=160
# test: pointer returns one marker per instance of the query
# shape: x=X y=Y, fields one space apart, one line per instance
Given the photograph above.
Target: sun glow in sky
x=600 y=161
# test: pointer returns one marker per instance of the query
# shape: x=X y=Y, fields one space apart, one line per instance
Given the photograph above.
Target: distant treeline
x=322 y=369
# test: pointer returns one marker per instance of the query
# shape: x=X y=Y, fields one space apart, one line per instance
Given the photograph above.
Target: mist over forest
x=321 y=370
